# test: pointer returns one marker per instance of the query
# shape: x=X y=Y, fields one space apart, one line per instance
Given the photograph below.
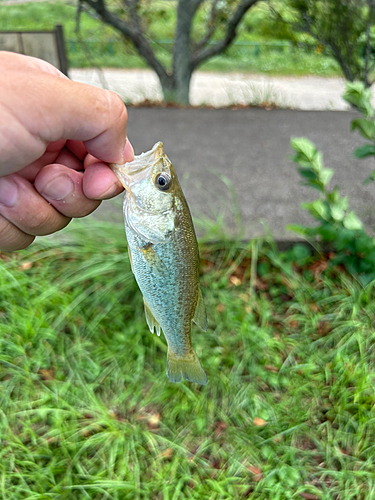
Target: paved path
x=251 y=147
x=224 y=89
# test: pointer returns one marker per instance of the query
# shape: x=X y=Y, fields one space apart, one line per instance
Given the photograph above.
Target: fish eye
x=163 y=181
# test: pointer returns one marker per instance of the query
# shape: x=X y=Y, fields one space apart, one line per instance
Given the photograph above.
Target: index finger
x=80 y=112
x=39 y=107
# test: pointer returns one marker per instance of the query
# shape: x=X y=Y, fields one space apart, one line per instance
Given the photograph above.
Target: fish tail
x=188 y=368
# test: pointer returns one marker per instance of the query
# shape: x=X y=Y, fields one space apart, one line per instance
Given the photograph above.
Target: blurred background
x=269 y=38
x=250 y=56
x=287 y=262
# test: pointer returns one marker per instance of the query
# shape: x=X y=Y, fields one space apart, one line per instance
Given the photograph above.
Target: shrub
x=358 y=96
x=338 y=227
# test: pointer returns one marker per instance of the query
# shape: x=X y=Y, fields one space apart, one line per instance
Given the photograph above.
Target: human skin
x=56 y=140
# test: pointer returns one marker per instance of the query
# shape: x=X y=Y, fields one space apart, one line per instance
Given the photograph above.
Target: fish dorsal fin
x=151 y=321
x=200 y=317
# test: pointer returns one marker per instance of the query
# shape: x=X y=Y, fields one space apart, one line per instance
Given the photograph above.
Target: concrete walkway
x=224 y=89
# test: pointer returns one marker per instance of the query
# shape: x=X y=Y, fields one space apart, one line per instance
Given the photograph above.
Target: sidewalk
x=224 y=89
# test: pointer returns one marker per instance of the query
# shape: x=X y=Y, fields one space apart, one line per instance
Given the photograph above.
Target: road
x=251 y=147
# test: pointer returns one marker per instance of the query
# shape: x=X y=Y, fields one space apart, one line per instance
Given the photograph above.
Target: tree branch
x=195 y=4
x=135 y=34
x=210 y=28
x=230 y=35
x=333 y=47
x=371 y=6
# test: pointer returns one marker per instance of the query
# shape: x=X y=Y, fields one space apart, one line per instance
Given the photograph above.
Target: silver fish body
x=164 y=257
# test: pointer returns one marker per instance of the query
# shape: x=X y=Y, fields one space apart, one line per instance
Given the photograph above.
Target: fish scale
x=169 y=285
x=164 y=255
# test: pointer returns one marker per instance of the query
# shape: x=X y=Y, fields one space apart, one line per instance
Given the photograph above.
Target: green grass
x=100 y=45
x=87 y=412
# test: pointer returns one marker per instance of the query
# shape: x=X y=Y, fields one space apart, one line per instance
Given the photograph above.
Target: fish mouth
x=141 y=162
x=146 y=159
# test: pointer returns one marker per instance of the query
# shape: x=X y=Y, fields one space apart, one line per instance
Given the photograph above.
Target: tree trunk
x=183 y=88
x=177 y=91
x=182 y=68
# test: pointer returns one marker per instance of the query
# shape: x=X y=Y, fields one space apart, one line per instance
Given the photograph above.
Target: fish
x=164 y=257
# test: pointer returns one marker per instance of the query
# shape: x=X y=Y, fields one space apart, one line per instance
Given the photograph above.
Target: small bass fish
x=163 y=252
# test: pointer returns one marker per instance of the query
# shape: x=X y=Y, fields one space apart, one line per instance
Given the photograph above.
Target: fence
x=46 y=45
x=240 y=48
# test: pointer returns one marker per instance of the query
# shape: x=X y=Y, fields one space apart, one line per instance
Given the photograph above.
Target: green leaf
x=303 y=230
x=307 y=173
x=328 y=232
x=334 y=196
x=365 y=150
x=315 y=185
x=365 y=244
x=318 y=209
x=334 y=199
x=365 y=127
x=301 y=160
x=317 y=162
x=326 y=175
x=305 y=147
x=351 y=221
x=370 y=178
x=337 y=213
x=345 y=238
x=343 y=203
x=360 y=97
x=301 y=253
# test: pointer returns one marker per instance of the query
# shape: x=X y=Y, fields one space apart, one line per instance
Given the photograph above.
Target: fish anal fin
x=151 y=321
x=200 y=316
x=188 y=368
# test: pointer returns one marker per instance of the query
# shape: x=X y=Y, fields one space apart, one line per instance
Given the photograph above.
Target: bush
x=338 y=227
x=360 y=97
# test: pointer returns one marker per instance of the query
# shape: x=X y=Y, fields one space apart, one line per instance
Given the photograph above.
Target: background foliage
x=343 y=28
x=339 y=228
x=258 y=45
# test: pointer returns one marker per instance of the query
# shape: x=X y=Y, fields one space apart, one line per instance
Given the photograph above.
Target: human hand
x=56 y=138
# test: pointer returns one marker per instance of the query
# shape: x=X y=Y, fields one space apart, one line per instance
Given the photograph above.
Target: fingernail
x=128 y=154
x=8 y=192
x=58 y=188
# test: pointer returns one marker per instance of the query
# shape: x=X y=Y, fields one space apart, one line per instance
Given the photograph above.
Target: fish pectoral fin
x=130 y=259
x=188 y=368
x=200 y=316
x=152 y=259
x=153 y=324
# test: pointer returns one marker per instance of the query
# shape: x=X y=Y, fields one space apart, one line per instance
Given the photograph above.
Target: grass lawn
x=100 y=45
x=87 y=412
